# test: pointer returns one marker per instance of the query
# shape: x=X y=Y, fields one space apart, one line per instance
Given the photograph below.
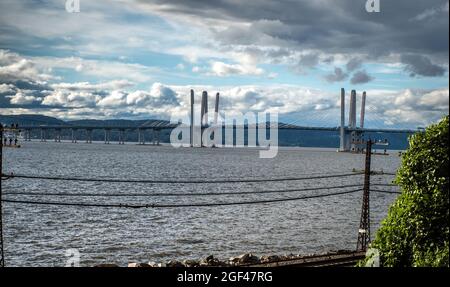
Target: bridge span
x=350 y=135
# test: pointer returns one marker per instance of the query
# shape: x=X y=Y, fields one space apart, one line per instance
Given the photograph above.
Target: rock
x=106 y=265
x=191 y=263
x=269 y=258
x=138 y=265
x=211 y=261
x=291 y=256
x=246 y=258
x=174 y=263
x=152 y=264
x=162 y=265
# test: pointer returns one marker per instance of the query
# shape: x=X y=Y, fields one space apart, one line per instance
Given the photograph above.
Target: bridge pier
x=155 y=136
x=141 y=137
x=88 y=135
x=28 y=135
x=121 y=136
x=107 y=135
x=57 y=135
x=43 y=135
x=74 y=136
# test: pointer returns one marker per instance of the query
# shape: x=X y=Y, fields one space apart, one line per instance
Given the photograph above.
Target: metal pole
x=364 y=225
x=192 y=118
x=363 y=108
x=2 y=258
x=342 y=129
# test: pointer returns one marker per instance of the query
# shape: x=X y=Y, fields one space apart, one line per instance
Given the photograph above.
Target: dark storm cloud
x=309 y=60
x=360 y=77
x=337 y=76
x=353 y=64
x=421 y=65
x=341 y=26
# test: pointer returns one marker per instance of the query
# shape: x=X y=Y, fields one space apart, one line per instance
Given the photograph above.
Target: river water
x=40 y=235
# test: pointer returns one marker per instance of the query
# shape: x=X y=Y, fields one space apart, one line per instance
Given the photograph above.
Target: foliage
x=416 y=230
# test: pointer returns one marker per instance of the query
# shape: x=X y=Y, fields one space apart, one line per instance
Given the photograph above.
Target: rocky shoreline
x=242 y=260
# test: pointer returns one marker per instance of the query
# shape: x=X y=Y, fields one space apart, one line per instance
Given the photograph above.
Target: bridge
x=350 y=135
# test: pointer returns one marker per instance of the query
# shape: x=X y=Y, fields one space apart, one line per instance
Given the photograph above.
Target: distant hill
x=37 y=120
x=30 y=120
x=327 y=139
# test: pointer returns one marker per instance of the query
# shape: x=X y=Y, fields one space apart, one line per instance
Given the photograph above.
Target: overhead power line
x=175 y=205
x=175 y=194
x=160 y=181
x=385 y=191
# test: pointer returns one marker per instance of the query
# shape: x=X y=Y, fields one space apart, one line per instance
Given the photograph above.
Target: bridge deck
x=280 y=126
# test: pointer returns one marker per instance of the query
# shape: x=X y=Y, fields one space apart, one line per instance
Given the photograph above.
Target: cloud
x=421 y=65
x=102 y=69
x=432 y=12
x=200 y=31
x=7 y=89
x=61 y=98
x=435 y=100
x=407 y=108
x=86 y=86
x=353 y=64
x=14 y=68
x=222 y=69
x=361 y=77
x=337 y=76
x=343 y=27
x=159 y=95
x=115 y=99
x=21 y=98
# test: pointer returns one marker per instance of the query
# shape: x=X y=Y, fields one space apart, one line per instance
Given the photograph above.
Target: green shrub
x=416 y=230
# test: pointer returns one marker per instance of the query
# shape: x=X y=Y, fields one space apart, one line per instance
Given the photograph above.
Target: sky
x=139 y=59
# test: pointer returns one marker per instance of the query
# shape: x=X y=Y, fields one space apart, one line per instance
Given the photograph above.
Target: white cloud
x=222 y=69
x=13 y=68
x=6 y=88
x=86 y=86
x=438 y=99
x=115 y=99
x=100 y=68
x=158 y=96
x=71 y=99
x=22 y=99
x=432 y=12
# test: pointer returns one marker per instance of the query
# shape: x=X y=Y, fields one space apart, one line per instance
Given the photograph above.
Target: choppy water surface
x=39 y=235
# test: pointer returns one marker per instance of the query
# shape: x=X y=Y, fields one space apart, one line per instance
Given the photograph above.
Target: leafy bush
x=416 y=230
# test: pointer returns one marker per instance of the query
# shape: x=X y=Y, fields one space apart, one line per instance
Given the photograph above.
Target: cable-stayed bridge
x=350 y=133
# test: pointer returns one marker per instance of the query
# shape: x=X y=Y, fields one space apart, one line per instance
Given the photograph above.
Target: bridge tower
x=342 y=128
x=350 y=135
